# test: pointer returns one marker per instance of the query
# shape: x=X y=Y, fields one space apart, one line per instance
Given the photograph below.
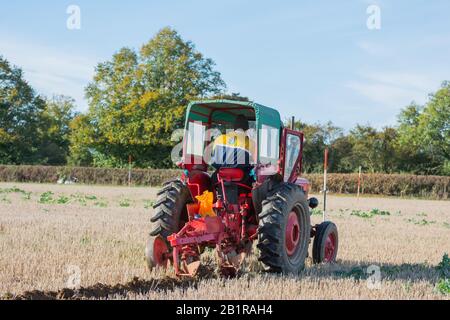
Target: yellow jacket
x=234 y=148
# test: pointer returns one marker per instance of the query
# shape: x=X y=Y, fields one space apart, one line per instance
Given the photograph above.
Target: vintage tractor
x=269 y=204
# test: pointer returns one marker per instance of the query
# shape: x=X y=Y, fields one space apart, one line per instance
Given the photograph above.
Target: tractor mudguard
x=260 y=192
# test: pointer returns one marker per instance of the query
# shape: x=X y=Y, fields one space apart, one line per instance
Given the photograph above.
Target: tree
x=20 y=117
x=235 y=96
x=424 y=135
x=371 y=149
x=33 y=129
x=317 y=138
x=137 y=100
x=434 y=128
x=341 y=156
x=55 y=124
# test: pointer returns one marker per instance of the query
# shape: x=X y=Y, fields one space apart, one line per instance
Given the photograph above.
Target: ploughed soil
x=103 y=291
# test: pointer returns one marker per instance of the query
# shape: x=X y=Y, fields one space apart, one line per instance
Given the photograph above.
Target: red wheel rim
x=330 y=247
x=160 y=252
x=292 y=233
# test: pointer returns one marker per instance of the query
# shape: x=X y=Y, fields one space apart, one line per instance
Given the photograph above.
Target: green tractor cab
x=264 y=201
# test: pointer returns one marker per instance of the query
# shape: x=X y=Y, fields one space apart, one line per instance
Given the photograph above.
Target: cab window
x=269 y=145
x=293 y=144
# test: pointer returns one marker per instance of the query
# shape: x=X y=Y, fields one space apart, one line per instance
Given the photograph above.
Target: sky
x=315 y=60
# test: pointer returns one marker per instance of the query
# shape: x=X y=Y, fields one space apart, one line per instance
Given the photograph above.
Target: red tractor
x=269 y=205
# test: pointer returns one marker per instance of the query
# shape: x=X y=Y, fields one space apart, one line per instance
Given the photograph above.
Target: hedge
x=435 y=187
x=44 y=174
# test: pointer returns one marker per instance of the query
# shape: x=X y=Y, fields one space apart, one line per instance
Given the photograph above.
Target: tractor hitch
x=197 y=232
x=227 y=233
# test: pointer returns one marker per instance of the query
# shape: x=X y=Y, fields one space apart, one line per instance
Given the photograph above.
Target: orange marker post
x=325 y=168
x=359 y=181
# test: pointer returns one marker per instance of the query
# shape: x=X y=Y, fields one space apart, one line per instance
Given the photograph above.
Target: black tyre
x=326 y=243
x=169 y=217
x=170 y=209
x=284 y=229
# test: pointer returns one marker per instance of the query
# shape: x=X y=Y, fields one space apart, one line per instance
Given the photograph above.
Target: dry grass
x=105 y=237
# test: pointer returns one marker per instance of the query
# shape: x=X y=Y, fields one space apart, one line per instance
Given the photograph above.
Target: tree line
x=139 y=97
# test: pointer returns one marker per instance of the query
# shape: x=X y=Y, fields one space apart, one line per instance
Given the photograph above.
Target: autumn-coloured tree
x=137 y=100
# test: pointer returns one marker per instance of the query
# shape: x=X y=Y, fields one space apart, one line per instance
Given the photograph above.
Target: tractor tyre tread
x=322 y=231
x=271 y=230
x=169 y=208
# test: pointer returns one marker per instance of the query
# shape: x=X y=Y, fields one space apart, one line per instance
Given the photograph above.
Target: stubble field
x=51 y=236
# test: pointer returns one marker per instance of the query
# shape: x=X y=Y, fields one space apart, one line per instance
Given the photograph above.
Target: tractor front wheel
x=284 y=229
x=325 y=244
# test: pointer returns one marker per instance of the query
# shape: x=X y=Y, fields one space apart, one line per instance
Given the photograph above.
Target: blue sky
x=316 y=60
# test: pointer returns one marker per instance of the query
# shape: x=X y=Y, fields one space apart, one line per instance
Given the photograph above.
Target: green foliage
x=101 y=204
x=318 y=137
x=419 y=144
x=444 y=266
x=20 y=121
x=443 y=286
x=25 y=195
x=369 y=214
x=125 y=203
x=62 y=200
x=424 y=135
x=85 y=240
x=138 y=99
x=49 y=198
x=422 y=222
x=56 y=119
x=32 y=129
x=46 y=197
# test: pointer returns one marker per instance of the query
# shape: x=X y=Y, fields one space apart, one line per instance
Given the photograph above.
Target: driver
x=234 y=149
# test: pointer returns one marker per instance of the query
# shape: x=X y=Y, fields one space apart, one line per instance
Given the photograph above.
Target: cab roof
x=225 y=111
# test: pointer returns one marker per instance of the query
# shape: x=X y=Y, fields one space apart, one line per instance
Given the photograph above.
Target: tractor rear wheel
x=170 y=215
x=284 y=229
x=170 y=209
x=325 y=244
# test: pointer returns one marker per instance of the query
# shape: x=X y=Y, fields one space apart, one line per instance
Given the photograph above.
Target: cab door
x=291 y=152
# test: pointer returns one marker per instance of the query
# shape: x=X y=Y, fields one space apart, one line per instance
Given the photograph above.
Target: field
x=53 y=235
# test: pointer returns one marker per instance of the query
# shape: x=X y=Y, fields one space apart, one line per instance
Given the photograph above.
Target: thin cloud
x=394 y=89
x=386 y=95
x=405 y=80
x=49 y=70
x=375 y=49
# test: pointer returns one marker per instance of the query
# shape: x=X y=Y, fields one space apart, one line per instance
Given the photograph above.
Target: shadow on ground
x=341 y=269
x=363 y=270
